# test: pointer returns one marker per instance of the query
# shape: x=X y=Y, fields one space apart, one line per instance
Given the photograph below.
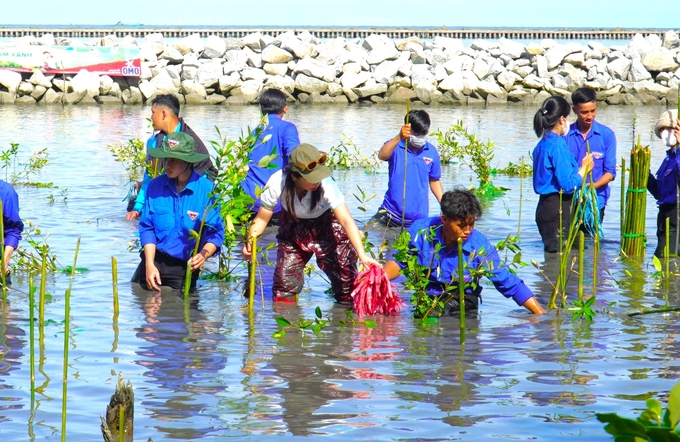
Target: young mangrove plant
x=473 y=152
x=317 y=324
x=231 y=161
x=654 y=424
x=346 y=155
x=29 y=255
x=25 y=175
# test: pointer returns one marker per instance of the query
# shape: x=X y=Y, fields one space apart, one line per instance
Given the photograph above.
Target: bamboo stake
x=581 y=264
x=121 y=424
x=521 y=179
x=403 y=199
x=114 y=277
x=187 y=275
x=253 y=270
x=461 y=290
x=31 y=338
x=633 y=234
x=667 y=253
x=596 y=236
x=43 y=284
x=67 y=322
x=660 y=310
x=623 y=194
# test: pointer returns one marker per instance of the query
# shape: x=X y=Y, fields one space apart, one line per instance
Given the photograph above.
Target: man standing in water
x=165 y=119
x=12 y=224
x=585 y=134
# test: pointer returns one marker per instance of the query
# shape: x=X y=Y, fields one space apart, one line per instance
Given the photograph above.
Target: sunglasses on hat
x=306 y=168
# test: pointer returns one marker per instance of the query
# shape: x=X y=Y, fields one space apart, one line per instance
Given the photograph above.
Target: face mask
x=417 y=140
x=668 y=138
x=566 y=128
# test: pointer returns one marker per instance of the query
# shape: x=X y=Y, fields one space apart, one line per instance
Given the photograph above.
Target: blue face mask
x=417 y=141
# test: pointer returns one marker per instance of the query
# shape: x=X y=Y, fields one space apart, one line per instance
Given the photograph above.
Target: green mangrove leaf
x=317 y=328
x=674 y=406
x=342 y=323
x=317 y=312
x=279 y=334
x=370 y=324
x=657 y=263
x=282 y=322
x=620 y=427
x=305 y=324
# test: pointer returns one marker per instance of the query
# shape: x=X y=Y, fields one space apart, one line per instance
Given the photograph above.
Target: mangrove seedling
x=316 y=325
x=654 y=424
x=346 y=155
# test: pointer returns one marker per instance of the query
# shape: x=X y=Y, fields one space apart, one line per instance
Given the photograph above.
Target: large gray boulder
x=619 y=68
x=314 y=68
x=164 y=84
x=638 y=72
x=87 y=82
x=670 y=40
x=209 y=73
x=350 y=80
x=275 y=68
x=309 y=84
x=10 y=80
x=171 y=54
x=281 y=83
x=273 y=54
x=658 y=60
x=228 y=82
x=370 y=88
x=39 y=79
x=382 y=53
x=253 y=41
x=215 y=47
x=191 y=43
x=511 y=48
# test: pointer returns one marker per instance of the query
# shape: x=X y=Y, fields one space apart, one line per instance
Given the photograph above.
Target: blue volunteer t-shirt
x=554 y=166
x=422 y=166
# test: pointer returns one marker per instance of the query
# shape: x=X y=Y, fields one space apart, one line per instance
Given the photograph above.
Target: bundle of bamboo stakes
x=633 y=239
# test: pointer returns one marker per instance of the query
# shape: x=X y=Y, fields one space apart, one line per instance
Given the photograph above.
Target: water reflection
x=12 y=343
x=182 y=360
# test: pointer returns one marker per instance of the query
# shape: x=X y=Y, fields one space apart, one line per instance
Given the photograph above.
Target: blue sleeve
x=147 y=234
x=13 y=225
x=610 y=154
x=567 y=177
x=291 y=140
x=653 y=186
x=213 y=229
x=141 y=194
x=507 y=283
x=435 y=167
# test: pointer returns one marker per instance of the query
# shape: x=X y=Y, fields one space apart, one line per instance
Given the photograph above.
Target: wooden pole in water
x=581 y=265
x=121 y=424
x=67 y=322
x=623 y=194
x=43 y=284
x=31 y=335
x=253 y=270
x=461 y=290
x=403 y=200
x=114 y=277
x=667 y=253
x=521 y=179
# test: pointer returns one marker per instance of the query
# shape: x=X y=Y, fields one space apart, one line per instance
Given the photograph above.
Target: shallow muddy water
x=220 y=377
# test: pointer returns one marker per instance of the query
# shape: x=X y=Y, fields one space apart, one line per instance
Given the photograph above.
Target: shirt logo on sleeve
x=427 y=160
x=192 y=215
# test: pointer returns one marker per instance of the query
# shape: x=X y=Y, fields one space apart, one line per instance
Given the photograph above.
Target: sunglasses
x=306 y=168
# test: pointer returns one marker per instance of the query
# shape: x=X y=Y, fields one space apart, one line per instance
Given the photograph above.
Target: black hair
x=289 y=192
x=583 y=95
x=460 y=203
x=419 y=120
x=167 y=100
x=549 y=114
x=272 y=101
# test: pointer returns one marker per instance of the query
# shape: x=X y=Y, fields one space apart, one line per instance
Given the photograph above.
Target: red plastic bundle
x=373 y=293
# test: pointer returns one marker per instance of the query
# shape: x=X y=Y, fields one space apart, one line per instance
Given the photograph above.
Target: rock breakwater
x=376 y=69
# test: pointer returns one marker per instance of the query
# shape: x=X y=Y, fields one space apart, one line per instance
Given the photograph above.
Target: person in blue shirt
x=12 y=224
x=277 y=137
x=165 y=120
x=177 y=202
x=555 y=169
x=422 y=172
x=664 y=186
x=435 y=240
x=586 y=133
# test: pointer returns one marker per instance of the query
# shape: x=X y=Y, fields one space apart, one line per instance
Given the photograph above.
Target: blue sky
x=451 y=13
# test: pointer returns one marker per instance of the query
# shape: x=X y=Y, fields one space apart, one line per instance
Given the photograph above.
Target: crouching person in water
x=176 y=204
x=314 y=220
x=460 y=209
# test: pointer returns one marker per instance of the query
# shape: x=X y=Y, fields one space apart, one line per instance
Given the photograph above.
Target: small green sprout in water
x=346 y=155
x=583 y=309
x=654 y=424
x=316 y=325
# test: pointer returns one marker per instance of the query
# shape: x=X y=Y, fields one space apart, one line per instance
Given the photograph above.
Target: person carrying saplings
x=555 y=169
x=12 y=224
x=586 y=133
x=278 y=137
x=165 y=120
x=314 y=220
x=422 y=172
x=177 y=203
x=435 y=241
x=664 y=186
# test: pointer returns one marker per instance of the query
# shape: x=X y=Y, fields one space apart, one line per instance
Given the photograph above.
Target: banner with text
x=113 y=61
